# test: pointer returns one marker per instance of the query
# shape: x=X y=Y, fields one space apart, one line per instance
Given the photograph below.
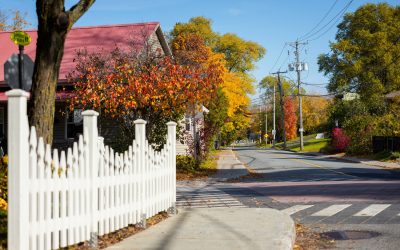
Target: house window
x=188 y=124
x=1 y=122
x=74 y=123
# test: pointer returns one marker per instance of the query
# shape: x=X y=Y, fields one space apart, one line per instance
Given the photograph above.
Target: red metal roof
x=92 y=38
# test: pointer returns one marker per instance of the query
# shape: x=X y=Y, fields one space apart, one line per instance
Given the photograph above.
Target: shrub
x=340 y=141
x=361 y=128
x=186 y=163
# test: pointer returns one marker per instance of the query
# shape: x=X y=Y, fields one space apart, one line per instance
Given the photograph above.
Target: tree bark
x=53 y=25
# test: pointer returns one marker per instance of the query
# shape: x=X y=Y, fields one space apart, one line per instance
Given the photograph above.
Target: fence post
x=91 y=133
x=140 y=138
x=18 y=171
x=172 y=139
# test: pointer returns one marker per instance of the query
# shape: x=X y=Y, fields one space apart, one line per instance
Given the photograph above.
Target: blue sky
x=269 y=23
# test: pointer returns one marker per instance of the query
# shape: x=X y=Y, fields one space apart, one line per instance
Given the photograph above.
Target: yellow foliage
x=236 y=87
x=315 y=113
x=3 y=204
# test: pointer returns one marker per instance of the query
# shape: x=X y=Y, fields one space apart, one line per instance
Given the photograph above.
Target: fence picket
x=70 y=194
x=47 y=189
x=86 y=189
x=41 y=195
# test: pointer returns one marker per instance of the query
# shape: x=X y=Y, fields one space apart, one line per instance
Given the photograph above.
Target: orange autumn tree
x=289 y=108
x=191 y=50
x=126 y=86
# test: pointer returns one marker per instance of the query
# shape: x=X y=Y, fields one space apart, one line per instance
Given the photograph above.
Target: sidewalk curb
x=340 y=158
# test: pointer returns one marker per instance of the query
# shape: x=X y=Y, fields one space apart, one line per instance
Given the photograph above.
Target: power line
x=287 y=59
x=279 y=57
x=323 y=19
x=314 y=84
x=334 y=19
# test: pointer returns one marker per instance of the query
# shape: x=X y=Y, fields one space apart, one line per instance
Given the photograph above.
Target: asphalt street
x=356 y=204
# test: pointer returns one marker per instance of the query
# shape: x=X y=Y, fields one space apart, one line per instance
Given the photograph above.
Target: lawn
x=310 y=144
x=314 y=145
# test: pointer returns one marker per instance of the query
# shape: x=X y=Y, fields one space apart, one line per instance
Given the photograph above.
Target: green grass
x=310 y=144
x=315 y=145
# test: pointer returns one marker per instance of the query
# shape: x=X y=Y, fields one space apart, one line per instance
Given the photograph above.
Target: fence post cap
x=140 y=121
x=171 y=123
x=90 y=113
x=17 y=93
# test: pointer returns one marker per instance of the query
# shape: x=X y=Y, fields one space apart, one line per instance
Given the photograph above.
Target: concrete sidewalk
x=229 y=167
x=217 y=228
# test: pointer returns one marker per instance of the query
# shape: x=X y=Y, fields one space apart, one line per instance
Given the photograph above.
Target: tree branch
x=76 y=11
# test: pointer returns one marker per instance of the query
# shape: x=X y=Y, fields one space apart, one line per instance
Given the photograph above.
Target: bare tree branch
x=76 y=11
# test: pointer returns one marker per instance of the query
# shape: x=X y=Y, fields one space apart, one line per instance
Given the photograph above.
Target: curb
x=339 y=158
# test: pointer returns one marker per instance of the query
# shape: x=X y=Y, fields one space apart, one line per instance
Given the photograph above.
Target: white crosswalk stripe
x=295 y=209
x=331 y=210
x=372 y=210
x=205 y=197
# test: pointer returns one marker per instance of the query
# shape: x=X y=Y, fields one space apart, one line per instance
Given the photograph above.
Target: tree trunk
x=53 y=25
x=50 y=49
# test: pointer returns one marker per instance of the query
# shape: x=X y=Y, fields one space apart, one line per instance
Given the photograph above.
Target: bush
x=340 y=141
x=361 y=128
x=187 y=163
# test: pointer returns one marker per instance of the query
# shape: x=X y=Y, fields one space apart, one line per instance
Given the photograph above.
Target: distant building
x=350 y=96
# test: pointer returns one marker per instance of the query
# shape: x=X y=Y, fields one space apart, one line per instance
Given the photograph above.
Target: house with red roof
x=94 y=38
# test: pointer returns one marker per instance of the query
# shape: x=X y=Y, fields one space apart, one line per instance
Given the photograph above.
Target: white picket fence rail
x=60 y=199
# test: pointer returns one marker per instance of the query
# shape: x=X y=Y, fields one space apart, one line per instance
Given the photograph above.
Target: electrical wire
x=286 y=60
x=323 y=19
x=279 y=57
x=314 y=84
x=334 y=19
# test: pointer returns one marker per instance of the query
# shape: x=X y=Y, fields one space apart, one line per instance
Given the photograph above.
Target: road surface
x=356 y=204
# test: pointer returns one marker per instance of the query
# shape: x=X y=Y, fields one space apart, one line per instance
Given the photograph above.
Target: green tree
x=199 y=26
x=366 y=55
x=239 y=53
x=266 y=87
x=54 y=22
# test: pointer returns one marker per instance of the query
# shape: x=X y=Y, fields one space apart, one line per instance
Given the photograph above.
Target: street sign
x=11 y=72
x=21 y=38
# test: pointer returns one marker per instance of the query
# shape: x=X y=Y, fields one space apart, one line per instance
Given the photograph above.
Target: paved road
x=346 y=200
x=326 y=194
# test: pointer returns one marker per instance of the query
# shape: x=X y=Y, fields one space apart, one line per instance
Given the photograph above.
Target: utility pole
x=299 y=67
x=273 y=130
x=260 y=125
x=282 y=108
x=266 y=125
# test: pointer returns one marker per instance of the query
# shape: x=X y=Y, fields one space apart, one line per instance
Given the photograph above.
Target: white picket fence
x=60 y=199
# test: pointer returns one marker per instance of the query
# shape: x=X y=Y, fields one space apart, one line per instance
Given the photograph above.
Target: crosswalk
x=372 y=210
x=204 y=197
x=345 y=213
x=209 y=196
